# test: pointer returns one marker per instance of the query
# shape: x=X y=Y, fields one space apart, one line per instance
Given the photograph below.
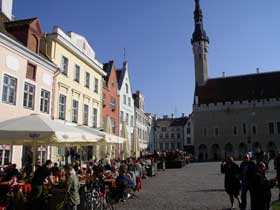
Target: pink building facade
x=26 y=85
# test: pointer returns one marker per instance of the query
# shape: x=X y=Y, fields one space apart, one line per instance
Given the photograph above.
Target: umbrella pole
x=34 y=155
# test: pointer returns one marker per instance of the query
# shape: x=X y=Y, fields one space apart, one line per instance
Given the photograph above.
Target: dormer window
x=34 y=43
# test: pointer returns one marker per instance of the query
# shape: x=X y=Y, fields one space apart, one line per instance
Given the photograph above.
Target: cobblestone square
x=197 y=186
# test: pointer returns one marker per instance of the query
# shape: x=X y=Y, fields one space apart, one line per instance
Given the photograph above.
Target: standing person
x=232 y=180
x=277 y=167
x=55 y=170
x=247 y=172
x=40 y=175
x=72 y=197
x=261 y=188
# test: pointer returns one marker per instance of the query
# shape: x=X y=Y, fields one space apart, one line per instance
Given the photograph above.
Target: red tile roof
x=239 y=88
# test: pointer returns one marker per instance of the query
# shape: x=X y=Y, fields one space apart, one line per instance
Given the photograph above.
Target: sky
x=244 y=36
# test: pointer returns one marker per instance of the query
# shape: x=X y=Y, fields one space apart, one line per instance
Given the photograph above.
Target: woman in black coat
x=261 y=189
x=232 y=180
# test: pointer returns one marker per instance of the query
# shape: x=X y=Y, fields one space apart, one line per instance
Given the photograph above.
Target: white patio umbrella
x=136 y=146
x=37 y=129
x=105 y=137
x=126 y=144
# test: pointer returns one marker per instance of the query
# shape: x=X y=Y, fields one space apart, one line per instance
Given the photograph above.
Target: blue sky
x=244 y=35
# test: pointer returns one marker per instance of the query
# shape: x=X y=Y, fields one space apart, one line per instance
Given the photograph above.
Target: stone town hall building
x=232 y=115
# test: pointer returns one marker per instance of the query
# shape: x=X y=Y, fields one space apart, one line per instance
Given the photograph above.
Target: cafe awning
x=105 y=137
x=42 y=130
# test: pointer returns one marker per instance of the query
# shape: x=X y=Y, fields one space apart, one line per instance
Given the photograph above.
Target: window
x=113 y=103
x=104 y=100
x=189 y=140
x=96 y=85
x=95 y=117
x=77 y=73
x=205 y=132
x=216 y=131
x=126 y=88
x=45 y=101
x=85 y=121
x=9 y=89
x=172 y=146
x=62 y=107
x=161 y=146
x=244 y=128
x=163 y=129
x=29 y=96
x=271 y=128
x=131 y=121
x=4 y=155
x=278 y=127
x=75 y=111
x=178 y=135
x=129 y=101
x=121 y=116
x=160 y=136
x=254 y=130
x=127 y=118
x=113 y=125
x=172 y=135
x=188 y=130
x=167 y=136
x=235 y=130
x=31 y=71
x=178 y=145
x=64 y=65
x=124 y=99
x=87 y=80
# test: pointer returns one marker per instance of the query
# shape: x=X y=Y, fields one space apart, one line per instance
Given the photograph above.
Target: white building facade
x=126 y=101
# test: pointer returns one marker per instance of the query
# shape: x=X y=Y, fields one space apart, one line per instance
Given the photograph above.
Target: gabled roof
x=173 y=122
x=107 y=67
x=21 y=21
x=179 y=121
x=239 y=88
x=121 y=74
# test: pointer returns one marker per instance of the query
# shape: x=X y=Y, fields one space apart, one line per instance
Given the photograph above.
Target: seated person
x=124 y=184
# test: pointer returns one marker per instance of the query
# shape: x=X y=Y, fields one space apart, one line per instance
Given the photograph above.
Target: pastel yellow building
x=77 y=96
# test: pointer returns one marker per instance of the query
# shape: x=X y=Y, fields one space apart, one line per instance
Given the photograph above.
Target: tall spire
x=199 y=34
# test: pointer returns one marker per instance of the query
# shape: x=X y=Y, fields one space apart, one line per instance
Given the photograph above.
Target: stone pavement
x=198 y=186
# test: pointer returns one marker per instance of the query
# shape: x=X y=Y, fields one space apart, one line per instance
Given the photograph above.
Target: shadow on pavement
x=208 y=190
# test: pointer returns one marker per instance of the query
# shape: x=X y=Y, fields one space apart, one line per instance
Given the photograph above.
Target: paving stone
x=198 y=186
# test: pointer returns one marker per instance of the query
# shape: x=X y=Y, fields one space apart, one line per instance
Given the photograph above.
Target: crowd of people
x=250 y=176
x=126 y=174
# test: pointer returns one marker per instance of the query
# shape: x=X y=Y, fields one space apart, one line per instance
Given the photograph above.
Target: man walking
x=247 y=172
x=72 y=199
x=40 y=175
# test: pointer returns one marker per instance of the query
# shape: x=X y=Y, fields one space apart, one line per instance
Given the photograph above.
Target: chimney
x=258 y=70
x=172 y=116
x=183 y=114
x=6 y=7
x=224 y=74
